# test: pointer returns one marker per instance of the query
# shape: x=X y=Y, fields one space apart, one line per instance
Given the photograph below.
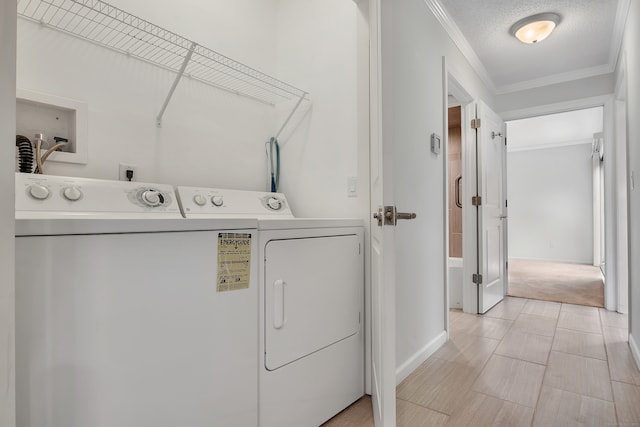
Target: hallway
x=525 y=363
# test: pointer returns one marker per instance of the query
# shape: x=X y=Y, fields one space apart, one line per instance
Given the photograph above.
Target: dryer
x=129 y=315
x=311 y=310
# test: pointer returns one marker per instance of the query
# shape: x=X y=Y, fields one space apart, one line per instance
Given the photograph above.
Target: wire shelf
x=108 y=26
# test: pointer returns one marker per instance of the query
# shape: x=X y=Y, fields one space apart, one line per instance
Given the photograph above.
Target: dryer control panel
x=39 y=196
x=197 y=202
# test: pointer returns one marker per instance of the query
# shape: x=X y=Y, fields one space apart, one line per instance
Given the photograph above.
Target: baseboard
x=634 y=350
x=404 y=370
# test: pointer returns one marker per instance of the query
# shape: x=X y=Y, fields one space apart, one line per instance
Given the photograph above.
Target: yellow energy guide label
x=234 y=261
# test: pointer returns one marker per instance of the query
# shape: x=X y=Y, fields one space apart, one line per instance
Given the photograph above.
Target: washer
x=311 y=276
x=129 y=315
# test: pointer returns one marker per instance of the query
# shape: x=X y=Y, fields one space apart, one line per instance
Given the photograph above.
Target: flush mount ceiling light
x=533 y=29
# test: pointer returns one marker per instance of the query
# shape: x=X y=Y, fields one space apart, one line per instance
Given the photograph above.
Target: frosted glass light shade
x=535 y=28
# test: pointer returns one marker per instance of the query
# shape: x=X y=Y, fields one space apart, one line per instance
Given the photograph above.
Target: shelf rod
x=187 y=58
x=290 y=115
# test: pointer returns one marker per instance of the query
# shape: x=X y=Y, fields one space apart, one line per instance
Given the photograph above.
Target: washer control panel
x=59 y=196
x=221 y=203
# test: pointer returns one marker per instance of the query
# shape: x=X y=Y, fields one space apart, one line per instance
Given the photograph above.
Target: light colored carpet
x=553 y=281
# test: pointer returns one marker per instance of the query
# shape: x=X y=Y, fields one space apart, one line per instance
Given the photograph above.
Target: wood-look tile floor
x=524 y=363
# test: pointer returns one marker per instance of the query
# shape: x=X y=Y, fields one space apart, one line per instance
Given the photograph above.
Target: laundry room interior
x=211 y=137
x=260 y=99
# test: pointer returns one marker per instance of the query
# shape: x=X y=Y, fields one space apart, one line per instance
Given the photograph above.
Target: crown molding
x=460 y=41
x=621 y=77
x=618 y=31
x=582 y=73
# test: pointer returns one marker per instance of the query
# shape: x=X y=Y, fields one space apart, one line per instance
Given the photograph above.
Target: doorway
x=458 y=109
x=481 y=273
x=454 y=134
x=556 y=207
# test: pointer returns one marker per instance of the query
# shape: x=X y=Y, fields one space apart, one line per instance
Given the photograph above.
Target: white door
x=490 y=139
x=382 y=238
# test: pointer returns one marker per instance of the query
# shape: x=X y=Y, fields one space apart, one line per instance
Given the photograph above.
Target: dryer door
x=314 y=295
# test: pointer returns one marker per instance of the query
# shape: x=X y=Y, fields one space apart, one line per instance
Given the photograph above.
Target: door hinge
x=476 y=201
x=475 y=123
x=477 y=279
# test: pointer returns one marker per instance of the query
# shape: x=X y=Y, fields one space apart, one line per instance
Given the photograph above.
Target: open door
x=491 y=205
x=383 y=321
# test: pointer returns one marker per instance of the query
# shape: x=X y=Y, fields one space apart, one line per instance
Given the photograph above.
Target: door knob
x=390 y=215
x=405 y=215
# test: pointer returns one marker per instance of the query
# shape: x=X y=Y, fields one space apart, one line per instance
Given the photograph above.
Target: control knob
x=152 y=198
x=217 y=201
x=39 y=192
x=72 y=193
x=274 y=203
x=199 y=200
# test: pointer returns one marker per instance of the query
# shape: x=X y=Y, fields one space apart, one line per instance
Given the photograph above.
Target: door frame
x=364 y=120
x=469 y=241
x=469 y=216
x=381 y=239
x=621 y=198
x=599 y=232
x=607 y=102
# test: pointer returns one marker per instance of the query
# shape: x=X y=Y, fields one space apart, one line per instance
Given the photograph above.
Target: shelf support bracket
x=187 y=58
x=290 y=115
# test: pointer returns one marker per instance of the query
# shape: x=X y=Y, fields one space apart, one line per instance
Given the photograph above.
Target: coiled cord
x=25 y=154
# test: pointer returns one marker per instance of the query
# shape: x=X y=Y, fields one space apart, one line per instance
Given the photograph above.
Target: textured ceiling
x=581 y=43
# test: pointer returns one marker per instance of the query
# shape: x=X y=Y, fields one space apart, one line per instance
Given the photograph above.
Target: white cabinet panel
x=313 y=295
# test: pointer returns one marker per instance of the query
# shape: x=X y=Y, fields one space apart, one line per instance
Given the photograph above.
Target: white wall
x=317 y=47
x=551 y=204
x=632 y=52
x=418 y=44
x=7 y=249
x=550 y=190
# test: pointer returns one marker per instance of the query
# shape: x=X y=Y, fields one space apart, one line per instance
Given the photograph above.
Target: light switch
x=352 y=186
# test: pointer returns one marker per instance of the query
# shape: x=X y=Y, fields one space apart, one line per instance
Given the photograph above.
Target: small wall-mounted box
x=435 y=143
x=50 y=115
